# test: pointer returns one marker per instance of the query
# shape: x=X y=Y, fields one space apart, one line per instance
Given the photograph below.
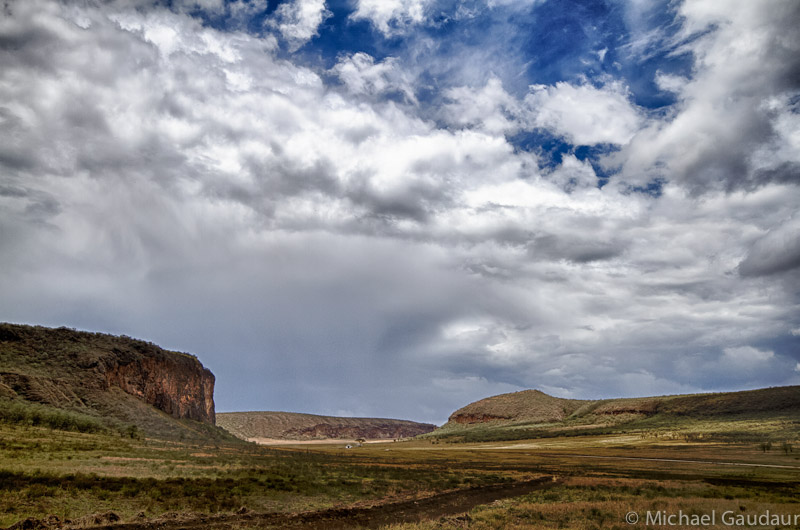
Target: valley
x=96 y=433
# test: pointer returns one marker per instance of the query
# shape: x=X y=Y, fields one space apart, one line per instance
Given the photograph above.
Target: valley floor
x=73 y=480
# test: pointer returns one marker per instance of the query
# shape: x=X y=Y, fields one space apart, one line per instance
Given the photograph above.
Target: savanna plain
x=59 y=478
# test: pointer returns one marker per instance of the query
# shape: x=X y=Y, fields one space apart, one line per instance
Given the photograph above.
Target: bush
x=23 y=413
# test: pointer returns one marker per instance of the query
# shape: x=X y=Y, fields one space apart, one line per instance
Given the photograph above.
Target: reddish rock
x=174 y=383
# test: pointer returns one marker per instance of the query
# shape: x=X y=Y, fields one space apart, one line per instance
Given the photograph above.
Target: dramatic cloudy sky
x=395 y=207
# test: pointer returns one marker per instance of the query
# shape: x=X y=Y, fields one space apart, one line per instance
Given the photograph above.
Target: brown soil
x=442 y=504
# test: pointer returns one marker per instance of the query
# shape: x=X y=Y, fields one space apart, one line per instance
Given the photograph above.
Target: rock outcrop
x=79 y=370
x=174 y=383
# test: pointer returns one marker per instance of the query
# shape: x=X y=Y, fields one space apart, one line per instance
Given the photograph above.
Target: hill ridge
x=278 y=425
x=533 y=413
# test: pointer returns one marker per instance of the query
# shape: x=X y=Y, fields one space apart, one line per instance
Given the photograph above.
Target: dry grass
x=584 y=503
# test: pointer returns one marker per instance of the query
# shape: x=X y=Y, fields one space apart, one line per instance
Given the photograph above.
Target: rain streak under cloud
x=396 y=207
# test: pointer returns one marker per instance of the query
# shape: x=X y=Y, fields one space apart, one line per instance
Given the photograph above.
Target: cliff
x=176 y=384
x=93 y=372
x=296 y=426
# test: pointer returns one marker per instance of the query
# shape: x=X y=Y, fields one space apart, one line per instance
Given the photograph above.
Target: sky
x=392 y=208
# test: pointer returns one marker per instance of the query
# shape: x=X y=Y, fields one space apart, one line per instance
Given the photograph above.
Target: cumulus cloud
x=298 y=21
x=298 y=227
x=735 y=124
x=391 y=17
x=489 y=108
x=584 y=114
x=362 y=76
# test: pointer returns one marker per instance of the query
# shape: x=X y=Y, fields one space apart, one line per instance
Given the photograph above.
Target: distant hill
x=529 y=405
x=772 y=413
x=77 y=380
x=296 y=426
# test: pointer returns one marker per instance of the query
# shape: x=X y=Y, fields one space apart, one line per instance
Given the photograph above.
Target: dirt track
x=448 y=503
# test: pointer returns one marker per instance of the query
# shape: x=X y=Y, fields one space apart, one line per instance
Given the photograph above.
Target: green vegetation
x=73 y=475
x=24 y=413
x=70 y=474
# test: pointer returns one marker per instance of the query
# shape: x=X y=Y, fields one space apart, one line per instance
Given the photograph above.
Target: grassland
x=71 y=475
x=75 y=476
x=76 y=452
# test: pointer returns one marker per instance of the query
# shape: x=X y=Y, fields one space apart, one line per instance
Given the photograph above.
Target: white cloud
x=670 y=83
x=733 y=125
x=391 y=17
x=204 y=179
x=748 y=355
x=584 y=114
x=362 y=76
x=298 y=21
x=490 y=108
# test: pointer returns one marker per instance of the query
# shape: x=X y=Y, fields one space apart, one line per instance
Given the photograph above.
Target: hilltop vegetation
x=755 y=415
x=296 y=426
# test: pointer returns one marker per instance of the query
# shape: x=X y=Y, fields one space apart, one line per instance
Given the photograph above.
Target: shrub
x=24 y=413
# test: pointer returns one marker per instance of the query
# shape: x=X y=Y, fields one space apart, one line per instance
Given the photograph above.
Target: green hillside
x=754 y=415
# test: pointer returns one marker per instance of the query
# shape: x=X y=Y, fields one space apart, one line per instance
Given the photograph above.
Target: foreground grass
x=73 y=474
x=592 y=503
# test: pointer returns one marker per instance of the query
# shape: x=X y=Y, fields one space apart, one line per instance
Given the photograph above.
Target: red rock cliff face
x=174 y=383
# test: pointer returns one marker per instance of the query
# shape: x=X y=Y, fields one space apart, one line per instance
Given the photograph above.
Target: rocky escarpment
x=84 y=371
x=174 y=383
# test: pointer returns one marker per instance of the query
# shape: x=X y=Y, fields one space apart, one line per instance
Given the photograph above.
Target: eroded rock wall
x=178 y=385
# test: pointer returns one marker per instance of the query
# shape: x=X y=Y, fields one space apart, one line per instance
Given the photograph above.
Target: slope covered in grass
x=769 y=413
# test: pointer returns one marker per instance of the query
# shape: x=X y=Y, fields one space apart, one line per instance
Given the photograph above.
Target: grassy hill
x=755 y=415
x=92 y=382
x=296 y=426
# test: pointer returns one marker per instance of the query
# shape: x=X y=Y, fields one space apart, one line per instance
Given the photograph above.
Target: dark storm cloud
x=578 y=250
x=785 y=173
x=778 y=251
